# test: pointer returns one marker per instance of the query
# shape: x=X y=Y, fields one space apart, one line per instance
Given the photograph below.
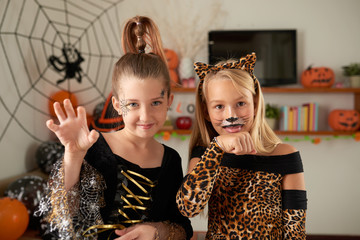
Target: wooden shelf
x=309 y=90
x=183 y=90
x=319 y=133
x=287 y=90
x=355 y=91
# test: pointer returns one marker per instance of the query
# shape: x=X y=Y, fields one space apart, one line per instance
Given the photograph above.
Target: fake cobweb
x=31 y=31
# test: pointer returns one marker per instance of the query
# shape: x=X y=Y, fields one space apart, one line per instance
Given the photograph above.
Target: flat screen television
x=275 y=51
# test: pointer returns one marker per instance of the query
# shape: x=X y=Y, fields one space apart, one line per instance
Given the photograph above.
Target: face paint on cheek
x=217 y=121
x=124 y=107
x=162 y=94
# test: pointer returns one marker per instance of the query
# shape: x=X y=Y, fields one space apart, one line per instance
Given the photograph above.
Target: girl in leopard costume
x=253 y=183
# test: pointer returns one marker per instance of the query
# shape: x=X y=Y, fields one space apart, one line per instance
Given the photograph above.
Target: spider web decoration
x=33 y=30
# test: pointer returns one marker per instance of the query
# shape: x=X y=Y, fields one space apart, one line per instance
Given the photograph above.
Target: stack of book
x=299 y=118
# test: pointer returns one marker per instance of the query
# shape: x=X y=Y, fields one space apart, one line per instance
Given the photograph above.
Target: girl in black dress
x=120 y=184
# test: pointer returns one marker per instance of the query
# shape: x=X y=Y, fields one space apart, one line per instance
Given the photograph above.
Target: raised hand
x=74 y=134
x=237 y=143
x=72 y=131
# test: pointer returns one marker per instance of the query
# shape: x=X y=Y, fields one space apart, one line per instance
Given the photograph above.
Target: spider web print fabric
x=31 y=31
x=65 y=212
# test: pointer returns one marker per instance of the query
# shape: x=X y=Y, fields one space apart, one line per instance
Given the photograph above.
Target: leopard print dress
x=244 y=195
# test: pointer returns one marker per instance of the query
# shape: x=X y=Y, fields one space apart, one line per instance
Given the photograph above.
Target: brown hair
x=264 y=138
x=139 y=34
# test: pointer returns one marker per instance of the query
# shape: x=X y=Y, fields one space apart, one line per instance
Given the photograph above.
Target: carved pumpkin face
x=344 y=120
x=320 y=77
x=172 y=58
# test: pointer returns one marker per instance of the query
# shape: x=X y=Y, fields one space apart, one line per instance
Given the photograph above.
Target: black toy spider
x=71 y=65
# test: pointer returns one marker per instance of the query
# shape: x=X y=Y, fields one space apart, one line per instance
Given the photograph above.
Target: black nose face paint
x=231 y=119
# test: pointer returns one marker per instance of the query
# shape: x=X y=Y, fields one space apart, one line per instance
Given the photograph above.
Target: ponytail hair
x=141 y=34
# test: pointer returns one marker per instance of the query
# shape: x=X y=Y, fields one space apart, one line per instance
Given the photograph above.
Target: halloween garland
x=168 y=135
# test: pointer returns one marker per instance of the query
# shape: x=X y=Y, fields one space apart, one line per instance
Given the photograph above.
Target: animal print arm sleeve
x=294 y=214
x=196 y=189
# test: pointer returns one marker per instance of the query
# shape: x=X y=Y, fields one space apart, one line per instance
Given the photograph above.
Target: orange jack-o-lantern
x=344 y=120
x=319 y=77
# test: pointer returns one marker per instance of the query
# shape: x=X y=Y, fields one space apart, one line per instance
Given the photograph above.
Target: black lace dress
x=113 y=193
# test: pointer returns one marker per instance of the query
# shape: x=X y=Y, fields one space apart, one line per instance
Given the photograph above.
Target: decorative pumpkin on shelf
x=173 y=63
x=344 y=120
x=319 y=77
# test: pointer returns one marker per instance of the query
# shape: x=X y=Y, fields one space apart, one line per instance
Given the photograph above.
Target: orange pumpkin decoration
x=172 y=58
x=173 y=63
x=14 y=218
x=344 y=120
x=60 y=96
x=319 y=77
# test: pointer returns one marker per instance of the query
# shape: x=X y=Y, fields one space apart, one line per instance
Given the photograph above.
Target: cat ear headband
x=246 y=63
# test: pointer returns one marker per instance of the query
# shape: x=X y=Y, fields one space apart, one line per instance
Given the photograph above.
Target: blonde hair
x=265 y=140
x=139 y=33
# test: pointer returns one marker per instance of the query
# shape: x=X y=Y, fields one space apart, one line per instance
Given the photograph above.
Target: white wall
x=328 y=35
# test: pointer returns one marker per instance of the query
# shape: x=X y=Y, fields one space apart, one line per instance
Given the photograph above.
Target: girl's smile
x=145 y=126
x=233 y=128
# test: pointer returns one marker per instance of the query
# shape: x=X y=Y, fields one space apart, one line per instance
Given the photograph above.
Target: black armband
x=294 y=199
